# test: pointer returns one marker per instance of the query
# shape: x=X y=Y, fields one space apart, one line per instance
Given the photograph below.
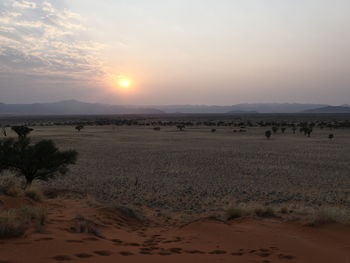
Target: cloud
x=40 y=38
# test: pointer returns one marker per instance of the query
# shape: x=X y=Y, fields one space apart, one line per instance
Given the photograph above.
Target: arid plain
x=214 y=194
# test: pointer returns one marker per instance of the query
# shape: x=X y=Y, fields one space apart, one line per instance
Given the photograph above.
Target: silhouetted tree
x=180 y=127
x=283 y=129
x=21 y=131
x=268 y=134
x=331 y=136
x=79 y=127
x=274 y=129
x=294 y=129
x=39 y=161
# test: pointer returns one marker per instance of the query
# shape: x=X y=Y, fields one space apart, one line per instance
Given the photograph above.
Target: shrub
x=85 y=225
x=234 y=212
x=21 y=131
x=329 y=215
x=40 y=161
x=79 y=127
x=11 y=225
x=331 y=136
x=33 y=214
x=265 y=212
x=268 y=134
x=34 y=194
x=11 y=188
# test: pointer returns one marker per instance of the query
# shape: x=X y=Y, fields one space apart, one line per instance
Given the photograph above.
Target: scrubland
x=197 y=170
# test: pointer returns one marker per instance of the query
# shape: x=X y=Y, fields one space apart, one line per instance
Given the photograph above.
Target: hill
x=72 y=107
x=241 y=108
x=330 y=109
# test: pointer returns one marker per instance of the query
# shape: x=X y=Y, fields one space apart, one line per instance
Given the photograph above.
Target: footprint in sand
x=195 y=252
x=84 y=255
x=283 y=256
x=217 y=252
x=44 y=239
x=62 y=258
x=74 y=241
x=104 y=253
x=90 y=239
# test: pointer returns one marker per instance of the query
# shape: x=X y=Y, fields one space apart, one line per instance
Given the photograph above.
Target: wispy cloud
x=40 y=38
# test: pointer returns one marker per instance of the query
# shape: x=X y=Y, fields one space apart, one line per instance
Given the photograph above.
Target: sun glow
x=125 y=83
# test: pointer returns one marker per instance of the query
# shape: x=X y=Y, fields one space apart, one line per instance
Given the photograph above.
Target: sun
x=124 y=83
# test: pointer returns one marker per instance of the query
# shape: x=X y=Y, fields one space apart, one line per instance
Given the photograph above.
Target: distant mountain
x=241 y=108
x=330 y=109
x=72 y=107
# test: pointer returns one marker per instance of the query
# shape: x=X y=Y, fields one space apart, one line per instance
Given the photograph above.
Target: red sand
x=126 y=240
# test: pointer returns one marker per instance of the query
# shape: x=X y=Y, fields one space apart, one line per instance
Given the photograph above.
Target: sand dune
x=121 y=238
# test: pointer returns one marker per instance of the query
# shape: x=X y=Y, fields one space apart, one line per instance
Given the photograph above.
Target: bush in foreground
x=15 y=222
x=39 y=161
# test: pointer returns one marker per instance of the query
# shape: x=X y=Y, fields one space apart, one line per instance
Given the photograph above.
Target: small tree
x=180 y=127
x=283 y=129
x=268 y=134
x=21 y=131
x=331 y=136
x=274 y=129
x=79 y=127
x=39 y=161
x=294 y=129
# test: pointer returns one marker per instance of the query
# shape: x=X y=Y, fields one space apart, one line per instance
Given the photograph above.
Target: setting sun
x=124 y=83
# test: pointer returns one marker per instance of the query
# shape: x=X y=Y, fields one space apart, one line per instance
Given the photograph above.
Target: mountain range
x=74 y=107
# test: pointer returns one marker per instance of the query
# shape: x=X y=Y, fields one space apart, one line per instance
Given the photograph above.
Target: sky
x=220 y=52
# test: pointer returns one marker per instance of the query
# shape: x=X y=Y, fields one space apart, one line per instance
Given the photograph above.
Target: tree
x=79 y=127
x=22 y=131
x=39 y=161
x=283 y=129
x=294 y=129
x=274 y=129
x=180 y=127
x=268 y=134
x=213 y=130
x=331 y=136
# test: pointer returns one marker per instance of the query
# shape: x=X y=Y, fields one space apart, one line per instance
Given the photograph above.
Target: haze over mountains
x=74 y=107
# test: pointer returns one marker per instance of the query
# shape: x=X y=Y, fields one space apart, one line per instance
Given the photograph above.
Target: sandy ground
x=128 y=240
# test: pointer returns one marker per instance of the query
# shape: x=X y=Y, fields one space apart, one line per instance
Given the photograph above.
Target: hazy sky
x=175 y=51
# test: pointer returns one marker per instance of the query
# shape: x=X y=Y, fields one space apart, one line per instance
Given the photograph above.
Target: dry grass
x=34 y=194
x=199 y=171
x=11 y=188
x=15 y=222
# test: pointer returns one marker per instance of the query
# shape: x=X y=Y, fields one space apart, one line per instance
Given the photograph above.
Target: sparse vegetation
x=79 y=127
x=22 y=131
x=234 y=212
x=34 y=194
x=268 y=134
x=39 y=161
x=15 y=222
x=265 y=212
